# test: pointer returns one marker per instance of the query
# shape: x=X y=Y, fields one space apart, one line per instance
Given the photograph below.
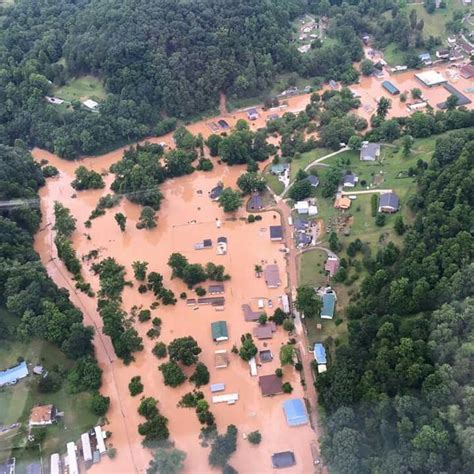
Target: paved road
x=367 y=191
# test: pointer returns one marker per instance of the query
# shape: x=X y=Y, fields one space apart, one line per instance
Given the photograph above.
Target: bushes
x=160 y=350
x=99 y=404
x=374 y=203
x=200 y=375
x=172 y=374
x=87 y=179
x=223 y=447
x=155 y=427
x=144 y=315
x=135 y=386
x=254 y=437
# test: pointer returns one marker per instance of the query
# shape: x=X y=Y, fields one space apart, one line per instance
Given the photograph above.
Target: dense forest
x=40 y=309
x=398 y=397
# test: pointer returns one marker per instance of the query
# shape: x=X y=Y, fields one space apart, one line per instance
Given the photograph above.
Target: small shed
x=302 y=207
x=91 y=104
x=285 y=303
x=332 y=265
x=219 y=331
x=253 y=367
x=342 y=203
x=270 y=385
x=276 y=233
x=217 y=387
x=252 y=114
x=221 y=359
x=329 y=304
x=295 y=412
x=73 y=467
x=216 y=191
x=283 y=459
x=320 y=354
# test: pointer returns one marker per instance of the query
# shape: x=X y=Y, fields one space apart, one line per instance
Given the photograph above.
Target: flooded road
x=186 y=200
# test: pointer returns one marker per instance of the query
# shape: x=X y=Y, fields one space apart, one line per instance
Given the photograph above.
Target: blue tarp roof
x=320 y=353
x=12 y=375
x=295 y=412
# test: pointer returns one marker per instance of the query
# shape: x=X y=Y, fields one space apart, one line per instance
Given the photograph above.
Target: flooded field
x=187 y=216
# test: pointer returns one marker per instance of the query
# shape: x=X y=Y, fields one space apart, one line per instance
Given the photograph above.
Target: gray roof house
x=369 y=151
x=389 y=202
x=313 y=180
x=276 y=232
x=349 y=181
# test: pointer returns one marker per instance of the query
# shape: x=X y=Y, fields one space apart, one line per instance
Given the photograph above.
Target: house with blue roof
x=329 y=304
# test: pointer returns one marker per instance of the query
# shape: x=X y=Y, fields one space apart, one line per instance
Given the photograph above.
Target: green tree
x=172 y=374
x=287 y=388
x=248 y=348
x=167 y=461
x=287 y=353
x=212 y=143
x=334 y=243
x=65 y=223
x=367 y=67
x=185 y=350
x=383 y=107
x=139 y=270
x=452 y=102
x=178 y=264
x=99 y=404
x=355 y=142
x=407 y=142
x=308 y=302
x=230 y=200
x=121 y=220
x=223 y=447
x=300 y=190
x=380 y=220
x=87 y=179
x=193 y=274
x=399 y=225
x=159 y=350
x=416 y=93
x=254 y=437
x=135 y=386
x=200 y=376
x=251 y=182
x=147 y=218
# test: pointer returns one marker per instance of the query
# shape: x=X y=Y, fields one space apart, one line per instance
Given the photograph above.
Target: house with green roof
x=219 y=331
x=329 y=304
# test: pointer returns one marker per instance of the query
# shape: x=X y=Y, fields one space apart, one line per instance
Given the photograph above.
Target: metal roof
x=219 y=331
x=283 y=459
x=13 y=374
x=276 y=232
x=389 y=200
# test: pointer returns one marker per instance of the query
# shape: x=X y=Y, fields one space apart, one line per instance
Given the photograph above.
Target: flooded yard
x=187 y=216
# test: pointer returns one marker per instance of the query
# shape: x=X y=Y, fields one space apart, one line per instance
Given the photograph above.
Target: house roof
x=369 y=150
x=313 y=180
x=221 y=359
x=265 y=355
x=217 y=387
x=283 y=459
x=390 y=87
x=302 y=238
x=300 y=224
x=217 y=288
x=462 y=99
x=91 y=104
x=343 y=203
x=329 y=302
x=249 y=314
x=424 y=56
x=13 y=374
x=276 y=232
x=331 y=266
x=295 y=412
x=255 y=202
x=302 y=206
x=272 y=275
x=207 y=243
x=350 y=179
x=216 y=191
x=389 y=200
x=320 y=353
x=264 y=331
x=42 y=414
x=467 y=71
x=279 y=168
x=219 y=330
x=270 y=385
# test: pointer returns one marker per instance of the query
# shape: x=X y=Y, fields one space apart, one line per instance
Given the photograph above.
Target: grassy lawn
x=276 y=186
x=393 y=55
x=311 y=268
x=306 y=159
x=85 y=87
x=16 y=401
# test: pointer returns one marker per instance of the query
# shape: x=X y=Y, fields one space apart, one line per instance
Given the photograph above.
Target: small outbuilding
x=264 y=331
x=342 y=203
x=272 y=276
x=205 y=244
x=332 y=265
x=389 y=203
x=216 y=191
x=295 y=412
x=467 y=71
x=302 y=207
x=91 y=104
x=283 y=459
x=265 y=356
x=388 y=86
x=217 y=387
x=270 y=385
x=219 y=331
x=252 y=114
x=255 y=203
x=276 y=233
x=217 y=289
x=221 y=359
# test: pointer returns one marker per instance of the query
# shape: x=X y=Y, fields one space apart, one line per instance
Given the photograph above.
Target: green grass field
x=393 y=55
x=16 y=401
x=82 y=88
x=306 y=159
x=276 y=186
x=311 y=268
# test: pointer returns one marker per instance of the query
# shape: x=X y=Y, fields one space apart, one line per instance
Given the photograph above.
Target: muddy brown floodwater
x=187 y=216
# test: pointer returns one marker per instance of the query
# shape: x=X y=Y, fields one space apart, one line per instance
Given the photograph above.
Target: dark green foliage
x=65 y=223
x=111 y=277
x=230 y=200
x=287 y=388
x=50 y=384
x=254 y=437
x=399 y=225
x=380 y=219
x=185 y=350
x=193 y=274
x=160 y=350
x=308 y=302
x=121 y=220
x=278 y=317
x=155 y=427
x=213 y=144
x=334 y=243
x=166 y=461
x=300 y=190
x=200 y=375
x=99 y=404
x=87 y=179
x=404 y=367
x=223 y=447
x=374 y=203
x=190 y=399
x=172 y=374
x=135 y=386
x=86 y=375
x=279 y=372
x=251 y=182
x=331 y=182
x=147 y=218
x=49 y=171
x=248 y=348
x=205 y=165
x=165 y=126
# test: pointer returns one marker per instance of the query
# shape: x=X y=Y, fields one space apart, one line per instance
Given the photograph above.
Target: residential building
x=389 y=203
x=302 y=207
x=43 y=415
x=91 y=104
x=272 y=276
x=332 y=265
x=467 y=71
x=349 y=180
x=270 y=385
x=276 y=233
x=369 y=151
x=219 y=331
x=313 y=180
x=320 y=354
x=252 y=114
x=387 y=85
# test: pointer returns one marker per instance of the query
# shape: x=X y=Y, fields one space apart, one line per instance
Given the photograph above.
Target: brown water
x=248 y=244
